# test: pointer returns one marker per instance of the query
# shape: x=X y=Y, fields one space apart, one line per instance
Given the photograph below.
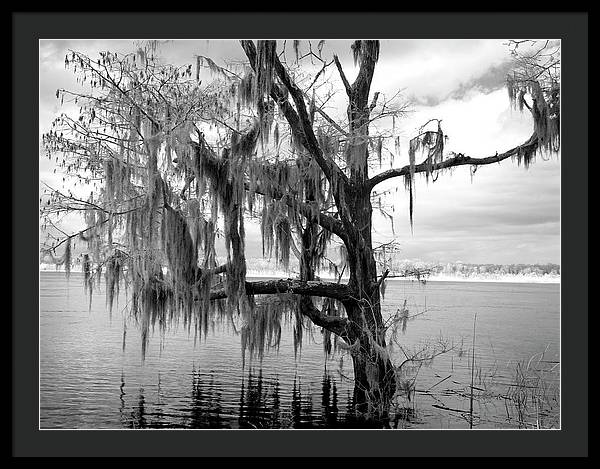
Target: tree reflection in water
x=262 y=404
x=205 y=408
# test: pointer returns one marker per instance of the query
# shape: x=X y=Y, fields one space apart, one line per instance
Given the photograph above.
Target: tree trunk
x=374 y=376
x=373 y=370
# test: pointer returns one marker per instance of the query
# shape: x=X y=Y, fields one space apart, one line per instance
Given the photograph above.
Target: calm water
x=88 y=381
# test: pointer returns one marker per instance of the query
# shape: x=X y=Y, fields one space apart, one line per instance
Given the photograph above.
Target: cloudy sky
x=503 y=214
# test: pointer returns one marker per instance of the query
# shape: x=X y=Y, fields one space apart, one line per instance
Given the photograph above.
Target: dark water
x=88 y=381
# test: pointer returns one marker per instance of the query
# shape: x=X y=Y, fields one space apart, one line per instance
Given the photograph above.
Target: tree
x=171 y=156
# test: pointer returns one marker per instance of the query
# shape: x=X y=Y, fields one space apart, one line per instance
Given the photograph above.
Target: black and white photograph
x=300 y=234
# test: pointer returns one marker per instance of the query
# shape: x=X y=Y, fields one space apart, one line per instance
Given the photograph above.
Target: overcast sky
x=504 y=214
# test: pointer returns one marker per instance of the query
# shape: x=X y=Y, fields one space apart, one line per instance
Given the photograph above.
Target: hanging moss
x=330 y=307
x=298 y=327
x=429 y=143
x=245 y=90
x=266 y=116
x=283 y=236
x=243 y=146
x=266 y=53
x=112 y=275
x=109 y=187
x=65 y=260
x=362 y=50
x=179 y=248
x=545 y=109
x=261 y=329
x=378 y=148
x=88 y=282
x=276 y=134
x=408 y=184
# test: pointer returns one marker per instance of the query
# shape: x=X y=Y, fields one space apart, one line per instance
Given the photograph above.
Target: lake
x=88 y=380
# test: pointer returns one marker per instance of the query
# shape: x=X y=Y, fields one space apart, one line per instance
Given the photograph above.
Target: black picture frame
x=571 y=440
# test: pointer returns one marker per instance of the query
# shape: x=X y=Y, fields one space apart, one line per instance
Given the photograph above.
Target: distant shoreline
x=546 y=279
x=447 y=278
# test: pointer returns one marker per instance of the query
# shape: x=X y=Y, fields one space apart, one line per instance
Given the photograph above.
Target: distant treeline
x=260 y=266
x=467 y=270
x=433 y=268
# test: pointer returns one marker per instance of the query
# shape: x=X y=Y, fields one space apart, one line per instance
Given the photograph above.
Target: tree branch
x=340 y=292
x=458 y=160
x=343 y=76
x=333 y=123
x=299 y=119
x=203 y=273
x=383 y=277
x=213 y=164
x=326 y=221
x=335 y=324
x=374 y=101
x=337 y=291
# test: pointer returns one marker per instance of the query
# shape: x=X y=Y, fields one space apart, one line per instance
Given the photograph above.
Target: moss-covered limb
x=336 y=291
x=315 y=288
x=301 y=127
x=188 y=181
x=216 y=170
x=328 y=222
x=299 y=119
x=529 y=147
x=208 y=163
x=221 y=269
x=334 y=324
x=277 y=94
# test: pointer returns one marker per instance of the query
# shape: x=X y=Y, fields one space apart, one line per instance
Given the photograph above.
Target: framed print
x=246 y=238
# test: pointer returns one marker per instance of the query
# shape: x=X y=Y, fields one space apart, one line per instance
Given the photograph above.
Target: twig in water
x=472 y=375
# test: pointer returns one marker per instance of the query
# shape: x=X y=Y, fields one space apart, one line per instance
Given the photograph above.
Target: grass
x=535 y=394
x=524 y=394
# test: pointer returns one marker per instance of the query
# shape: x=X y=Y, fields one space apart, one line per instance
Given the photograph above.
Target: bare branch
x=343 y=75
x=374 y=102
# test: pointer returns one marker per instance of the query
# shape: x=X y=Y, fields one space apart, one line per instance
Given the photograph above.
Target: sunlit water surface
x=88 y=381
